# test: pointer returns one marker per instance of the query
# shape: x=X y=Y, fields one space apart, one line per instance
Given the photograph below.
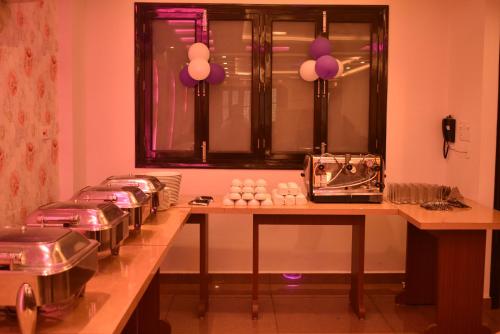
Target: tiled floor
x=287 y=309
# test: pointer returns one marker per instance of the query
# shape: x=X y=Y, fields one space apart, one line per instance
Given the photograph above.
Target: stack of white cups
x=248 y=193
x=288 y=194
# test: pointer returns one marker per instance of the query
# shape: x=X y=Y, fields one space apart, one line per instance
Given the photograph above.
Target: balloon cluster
x=323 y=65
x=199 y=68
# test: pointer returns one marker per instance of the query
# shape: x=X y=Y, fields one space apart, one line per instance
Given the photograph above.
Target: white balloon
x=341 y=69
x=199 y=69
x=198 y=50
x=307 y=71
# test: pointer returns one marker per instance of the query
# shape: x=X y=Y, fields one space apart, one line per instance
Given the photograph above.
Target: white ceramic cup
x=253 y=203
x=234 y=196
x=249 y=183
x=260 y=190
x=247 y=196
x=260 y=196
x=261 y=183
x=248 y=189
x=228 y=202
x=235 y=189
x=236 y=183
x=240 y=203
x=267 y=202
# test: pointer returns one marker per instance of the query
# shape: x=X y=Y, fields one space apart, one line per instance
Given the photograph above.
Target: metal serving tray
x=131 y=199
x=104 y=221
x=148 y=183
x=40 y=267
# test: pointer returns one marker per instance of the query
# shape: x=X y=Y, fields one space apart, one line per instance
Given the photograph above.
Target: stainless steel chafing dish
x=149 y=184
x=131 y=199
x=104 y=222
x=41 y=267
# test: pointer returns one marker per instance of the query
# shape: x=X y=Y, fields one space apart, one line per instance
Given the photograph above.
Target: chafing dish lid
x=148 y=183
x=123 y=196
x=42 y=251
x=93 y=216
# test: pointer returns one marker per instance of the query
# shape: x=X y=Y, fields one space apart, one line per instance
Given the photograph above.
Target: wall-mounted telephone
x=449 y=124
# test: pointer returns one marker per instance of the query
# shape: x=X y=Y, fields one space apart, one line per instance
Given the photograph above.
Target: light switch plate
x=464 y=131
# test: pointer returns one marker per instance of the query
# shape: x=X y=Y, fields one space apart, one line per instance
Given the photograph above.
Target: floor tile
x=325 y=314
x=165 y=302
x=227 y=314
x=215 y=287
x=403 y=318
x=309 y=289
x=491 y=318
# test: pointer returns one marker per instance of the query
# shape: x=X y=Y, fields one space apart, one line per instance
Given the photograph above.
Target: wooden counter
x=478 y=217
x=160 y=229
x=438 y=243
x=114 y=292
x=444 y=255
x=216 y=206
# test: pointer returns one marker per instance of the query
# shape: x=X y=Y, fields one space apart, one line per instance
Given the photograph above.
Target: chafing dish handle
x=9 y=259
x=111 y=198
x=128 y=184
x=26 y=309
x=71 y=220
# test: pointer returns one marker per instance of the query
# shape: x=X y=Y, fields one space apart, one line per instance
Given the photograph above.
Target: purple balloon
x=326 y=67
x=186 y=79
x=216 y=75
x=320 y=47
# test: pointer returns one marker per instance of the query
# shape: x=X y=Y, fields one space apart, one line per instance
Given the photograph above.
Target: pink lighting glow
x=275 y=48
x=184 y=31
x=292 y=277
x=179 y=10
x=281 y=48
x=172 y=111
x=180 y=22
x=187 y=39
x=155 y=99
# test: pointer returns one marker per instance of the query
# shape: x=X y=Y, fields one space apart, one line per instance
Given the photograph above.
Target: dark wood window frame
x=261 y=16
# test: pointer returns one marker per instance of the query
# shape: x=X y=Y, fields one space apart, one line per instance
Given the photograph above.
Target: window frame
x=221 y=158
x=262 y=16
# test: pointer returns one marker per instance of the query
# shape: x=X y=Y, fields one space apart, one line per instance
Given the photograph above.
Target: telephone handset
x=449 y=125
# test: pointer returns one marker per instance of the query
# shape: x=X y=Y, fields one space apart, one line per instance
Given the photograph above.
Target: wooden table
x=123 y=296
x=444 y=258
x=357 y=256
x=445 y=264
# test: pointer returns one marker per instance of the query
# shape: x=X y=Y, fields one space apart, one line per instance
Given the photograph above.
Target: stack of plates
x=172 y=181
x=164 y=199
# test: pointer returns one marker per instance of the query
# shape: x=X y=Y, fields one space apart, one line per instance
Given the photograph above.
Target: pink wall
x=28 y=127
x=423 y=65
x=473 y=98
x=71 y=100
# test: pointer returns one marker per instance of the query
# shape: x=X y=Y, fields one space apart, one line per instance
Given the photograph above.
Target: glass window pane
x=173 y=103
x=230 y=102
x=349 y=95
x=292 y=97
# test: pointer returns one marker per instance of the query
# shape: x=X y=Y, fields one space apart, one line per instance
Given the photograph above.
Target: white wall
x=423 y=88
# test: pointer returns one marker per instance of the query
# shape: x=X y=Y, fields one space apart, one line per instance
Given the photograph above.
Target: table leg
x=358 y=267
x=495 y=270
x=255 y=269
x=460 y=259
x=146 y=316
x=421 y=268
x=202 y=220
x=203 y=305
